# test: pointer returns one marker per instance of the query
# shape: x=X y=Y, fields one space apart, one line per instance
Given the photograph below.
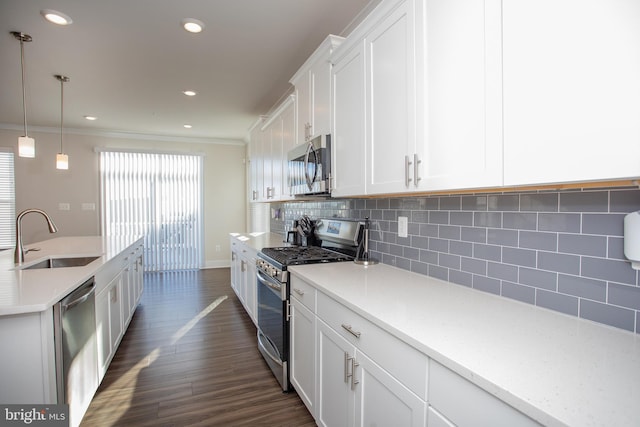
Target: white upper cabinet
x=348 y=145
x=571 y=90
x=462 y=120
x=256 y=163
x=270 y=140
x=313 y=92
x=392 y=50
x=430 y=111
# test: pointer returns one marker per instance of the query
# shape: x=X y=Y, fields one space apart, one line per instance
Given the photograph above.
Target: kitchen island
x=28 y=357
x=482 y=355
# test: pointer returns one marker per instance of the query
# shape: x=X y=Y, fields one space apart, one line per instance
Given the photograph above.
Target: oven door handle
x=261 y=342
x=269 y=282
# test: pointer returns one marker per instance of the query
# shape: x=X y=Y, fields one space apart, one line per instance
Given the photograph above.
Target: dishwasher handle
x=87 y=289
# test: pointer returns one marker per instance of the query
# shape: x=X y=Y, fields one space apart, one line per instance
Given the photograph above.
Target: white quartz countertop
x=258 y=241
x=28 y=291
x=557 y=369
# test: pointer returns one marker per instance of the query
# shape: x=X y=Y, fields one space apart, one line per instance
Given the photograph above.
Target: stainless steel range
x=337 y=240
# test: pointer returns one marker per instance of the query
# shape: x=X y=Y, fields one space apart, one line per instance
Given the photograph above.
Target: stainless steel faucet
x=18 y=258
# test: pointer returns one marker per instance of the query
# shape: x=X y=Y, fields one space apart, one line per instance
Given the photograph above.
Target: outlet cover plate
x=403 y=226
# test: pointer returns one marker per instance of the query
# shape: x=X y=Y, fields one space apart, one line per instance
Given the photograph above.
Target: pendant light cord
x=24 y=95
x=63 y=80
x=61 y=111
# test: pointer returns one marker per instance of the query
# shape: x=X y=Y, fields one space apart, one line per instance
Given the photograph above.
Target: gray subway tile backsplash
x=561 y=250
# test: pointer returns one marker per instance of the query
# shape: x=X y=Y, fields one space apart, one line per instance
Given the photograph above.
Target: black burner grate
x=295 y=255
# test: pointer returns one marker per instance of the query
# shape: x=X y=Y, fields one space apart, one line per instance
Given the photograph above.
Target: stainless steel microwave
x=309 y=167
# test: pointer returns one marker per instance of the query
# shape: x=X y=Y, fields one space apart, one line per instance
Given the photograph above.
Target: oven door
x=273 y=326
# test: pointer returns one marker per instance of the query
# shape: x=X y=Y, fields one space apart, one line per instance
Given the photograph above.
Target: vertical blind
x=7 y=201
x=158 y=196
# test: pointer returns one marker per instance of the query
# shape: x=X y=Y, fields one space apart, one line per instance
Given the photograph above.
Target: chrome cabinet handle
x=407 y=175
x=354 y=365
x=350 y=330
x=416 y=171
x=298 y=291
x=347 y=375
x=350 y=375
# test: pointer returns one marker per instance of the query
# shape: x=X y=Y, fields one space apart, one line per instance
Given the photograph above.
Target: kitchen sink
x=62 y=262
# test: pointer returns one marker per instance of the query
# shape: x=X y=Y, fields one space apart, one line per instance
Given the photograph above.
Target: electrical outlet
x=64 y=206
x=217 y=248
x=88 y=206
x=403 y=226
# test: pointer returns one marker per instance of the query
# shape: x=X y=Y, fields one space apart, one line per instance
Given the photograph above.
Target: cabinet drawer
x=448 y=392
x=398 y=358
x=303 y=292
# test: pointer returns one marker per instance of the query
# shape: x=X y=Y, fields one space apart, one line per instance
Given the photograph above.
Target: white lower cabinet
x=382 y=400
x=350 y=372
x=243 y=275
x=116 y=303
x=303 y=353
x=354 y=375
x=455 y=401
x=109 y=322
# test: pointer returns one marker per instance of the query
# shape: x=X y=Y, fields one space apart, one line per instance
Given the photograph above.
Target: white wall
x=40 y=185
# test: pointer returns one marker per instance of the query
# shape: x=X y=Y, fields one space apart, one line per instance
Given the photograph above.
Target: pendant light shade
x=26 y=144
x=62 y=160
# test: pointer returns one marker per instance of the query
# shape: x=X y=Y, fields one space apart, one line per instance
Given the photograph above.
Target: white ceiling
x=129 y=60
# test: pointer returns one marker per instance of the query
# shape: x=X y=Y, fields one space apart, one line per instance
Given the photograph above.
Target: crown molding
x=126 y=135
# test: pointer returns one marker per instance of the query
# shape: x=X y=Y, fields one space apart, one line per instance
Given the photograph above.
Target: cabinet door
x=391 y=100
x=571 y=90
x=103 y=332
x=288 y=142
x=256 y=165
x=348 y=162
x=250 y=285
x=320 y=82
x=271 y=145
x=335 y=398
x=115 y=312
x=235 y=265
x=382 y=400
x=303 y=107
x=303 y=353
x=463 y=117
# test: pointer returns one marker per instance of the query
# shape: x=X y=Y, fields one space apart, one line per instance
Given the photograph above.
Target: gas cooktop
x=296 y=255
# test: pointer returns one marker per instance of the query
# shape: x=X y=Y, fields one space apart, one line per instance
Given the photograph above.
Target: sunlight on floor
x=127 y=382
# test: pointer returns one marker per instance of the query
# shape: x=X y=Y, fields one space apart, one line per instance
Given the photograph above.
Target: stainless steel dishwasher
x=76 y=350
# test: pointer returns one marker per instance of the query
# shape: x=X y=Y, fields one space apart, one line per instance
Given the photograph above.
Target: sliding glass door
x=158 y=196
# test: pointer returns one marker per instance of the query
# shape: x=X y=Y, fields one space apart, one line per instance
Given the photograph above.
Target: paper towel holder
x=632 y=239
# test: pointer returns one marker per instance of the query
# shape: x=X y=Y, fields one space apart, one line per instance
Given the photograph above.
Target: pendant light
x=26 y=145
x=62 y=160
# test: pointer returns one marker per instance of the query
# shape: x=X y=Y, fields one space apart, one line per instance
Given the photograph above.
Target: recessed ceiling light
x=56 y=17
x=187 y=126
x=189 y=92
x=92 y=118
x=192 y=25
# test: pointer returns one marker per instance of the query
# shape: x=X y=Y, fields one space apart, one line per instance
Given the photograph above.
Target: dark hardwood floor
x=190 y=358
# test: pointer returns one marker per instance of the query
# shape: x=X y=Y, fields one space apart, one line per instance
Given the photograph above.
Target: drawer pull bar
x=351 y=331
x=298 y=291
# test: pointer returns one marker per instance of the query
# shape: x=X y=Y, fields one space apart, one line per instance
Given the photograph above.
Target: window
x=158 y=196
x=7 y=201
